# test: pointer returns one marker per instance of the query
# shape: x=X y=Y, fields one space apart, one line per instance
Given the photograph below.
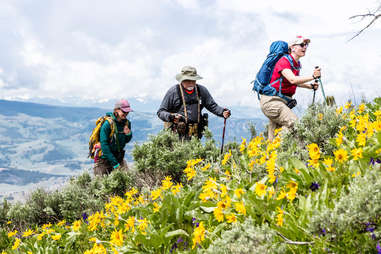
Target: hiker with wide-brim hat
x=181 y=108
x=114 y=134
x=286 y=76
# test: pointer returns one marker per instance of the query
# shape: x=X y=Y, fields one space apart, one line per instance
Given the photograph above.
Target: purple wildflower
x=314 y=186
x=174 y=246
x=374 y=161
x=378 y=248
x=84 y=216
x=180 y=240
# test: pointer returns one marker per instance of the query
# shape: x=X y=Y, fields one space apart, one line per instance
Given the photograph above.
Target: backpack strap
x=184 y=104
x=181 y=92
x=114 y=131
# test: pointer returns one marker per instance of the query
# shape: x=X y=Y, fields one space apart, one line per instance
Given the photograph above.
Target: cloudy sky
x=96 y=50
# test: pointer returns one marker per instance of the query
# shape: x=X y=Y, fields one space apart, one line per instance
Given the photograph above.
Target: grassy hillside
x=315 y=189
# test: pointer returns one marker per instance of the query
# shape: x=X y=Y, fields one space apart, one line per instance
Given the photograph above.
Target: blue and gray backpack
x=262 y=84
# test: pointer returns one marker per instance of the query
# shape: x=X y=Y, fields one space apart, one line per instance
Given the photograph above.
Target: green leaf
x=176 y=233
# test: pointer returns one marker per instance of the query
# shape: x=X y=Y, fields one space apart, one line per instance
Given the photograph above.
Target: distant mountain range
x=39 y=141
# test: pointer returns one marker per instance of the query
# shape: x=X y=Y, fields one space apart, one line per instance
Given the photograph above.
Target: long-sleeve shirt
x=109 y=145
x=172 y=103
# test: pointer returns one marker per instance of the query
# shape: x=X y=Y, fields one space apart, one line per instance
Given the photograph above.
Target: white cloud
x=67 y=49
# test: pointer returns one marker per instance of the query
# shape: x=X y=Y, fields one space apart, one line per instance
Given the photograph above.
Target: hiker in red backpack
x=182 y=105
x=286 y=75
x=113 y=139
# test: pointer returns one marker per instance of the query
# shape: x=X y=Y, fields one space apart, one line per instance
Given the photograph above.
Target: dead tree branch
x=372 y=15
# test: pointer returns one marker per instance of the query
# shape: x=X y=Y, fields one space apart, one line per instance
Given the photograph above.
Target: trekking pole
x=223 y=136
x=322 y=90
x=316 y=81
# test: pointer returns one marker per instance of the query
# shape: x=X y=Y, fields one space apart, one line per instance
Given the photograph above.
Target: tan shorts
x=277 y=112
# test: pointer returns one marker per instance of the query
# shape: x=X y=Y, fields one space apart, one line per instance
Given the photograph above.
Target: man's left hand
x=226 y=113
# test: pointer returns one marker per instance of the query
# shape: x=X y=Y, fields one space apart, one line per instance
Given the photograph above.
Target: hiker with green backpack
x=181 y=108
x=109 y=137
x=278 y=79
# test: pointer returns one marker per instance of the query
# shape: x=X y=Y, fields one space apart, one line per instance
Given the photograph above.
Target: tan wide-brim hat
x=188 y=73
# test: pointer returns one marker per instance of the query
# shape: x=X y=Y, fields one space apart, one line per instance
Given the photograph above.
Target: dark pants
x=104 y=167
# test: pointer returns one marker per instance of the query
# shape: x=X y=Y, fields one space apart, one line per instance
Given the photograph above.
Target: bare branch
x=373 y=15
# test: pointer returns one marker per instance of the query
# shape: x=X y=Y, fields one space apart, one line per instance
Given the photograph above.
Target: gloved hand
x=116 y=166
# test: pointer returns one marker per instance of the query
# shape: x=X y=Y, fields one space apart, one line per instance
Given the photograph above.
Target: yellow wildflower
x=313 y=163
x=348 y=105
x=361 y=139
x=45 y=226
x=356 y=153
x=166 y=183
x=56 y=237
x=320 y=116
x=361 y=108
x=357 y=174
x=206 y=167
x=238 y=192
x=130 y=224
x=190 y=173
x=226 y=157
x=271 y=191
x=281 y=195
x=279 y=217
x=192 y=163
x=291 y=194
x=341 y=155
x=9 y=222
x=218 y=214
x=242 y=147
x=240 y=207
x=27 y=233
x=143 y=225
x=11 y=234
x=61 y=223
x=314 y=151
x=328 y=162
x=40 y=236
x=224 y=190
x=260 y=189
x=76 y=225
x=117 y=238
x=231 y=218
x=156 y=207
x=330 y=169
x=339 y=139
x=155 y=194
x=176 y=189
x=198 y=235
x=16 y=244
x=276 y=131
x=339 y=110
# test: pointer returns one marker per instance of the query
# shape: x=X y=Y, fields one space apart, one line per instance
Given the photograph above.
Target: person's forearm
x=305 y=85
x=300 y=80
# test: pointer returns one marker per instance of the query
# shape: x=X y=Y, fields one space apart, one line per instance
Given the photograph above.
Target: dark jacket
x=172 y=103
x=109 y=145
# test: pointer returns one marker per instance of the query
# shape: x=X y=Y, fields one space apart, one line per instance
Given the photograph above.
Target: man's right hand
x=176 y=118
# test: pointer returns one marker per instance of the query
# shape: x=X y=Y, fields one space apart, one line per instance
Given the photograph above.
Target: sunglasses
x=303 y=45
